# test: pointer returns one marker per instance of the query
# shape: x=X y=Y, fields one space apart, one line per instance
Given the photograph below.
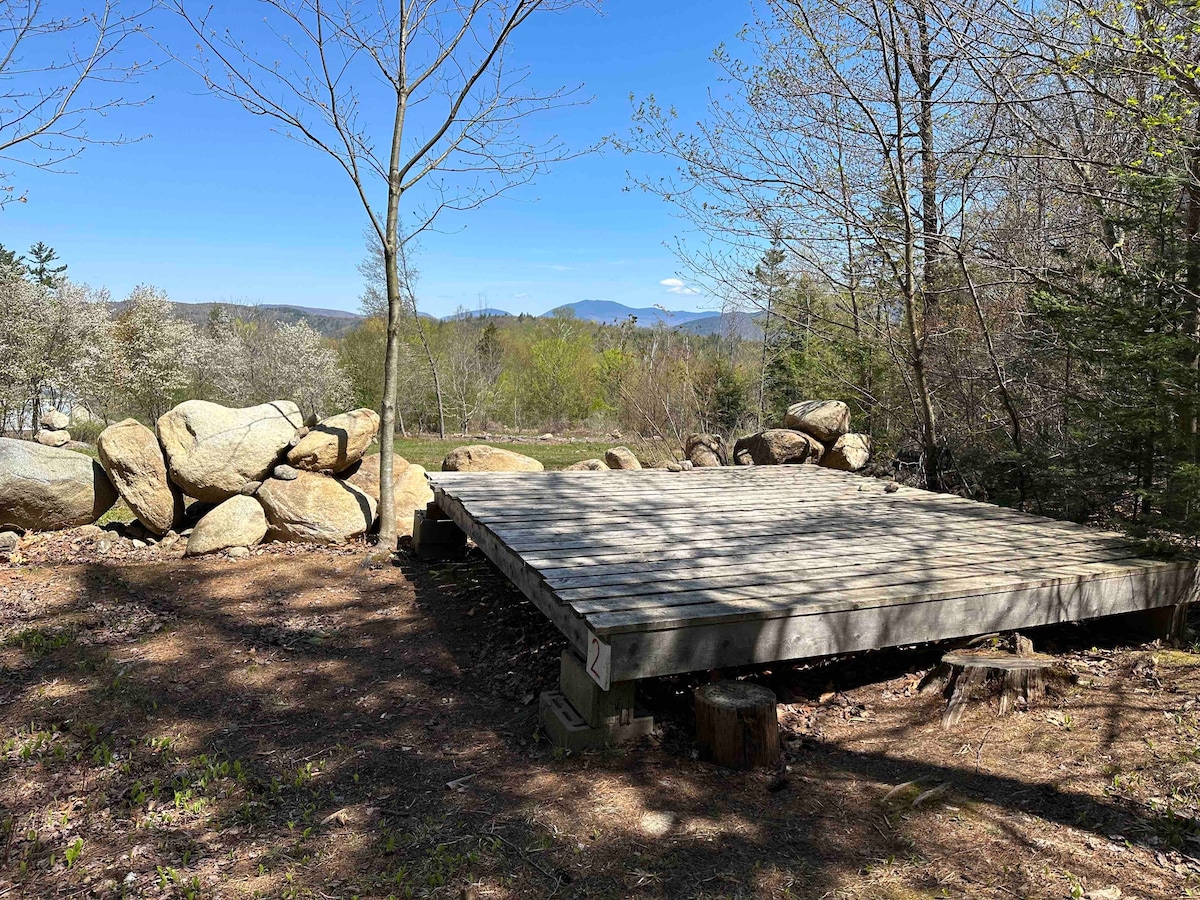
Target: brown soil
x=293 y=725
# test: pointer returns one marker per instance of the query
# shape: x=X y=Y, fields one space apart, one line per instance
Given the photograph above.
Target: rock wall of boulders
x=817 y=432
x=242 y=475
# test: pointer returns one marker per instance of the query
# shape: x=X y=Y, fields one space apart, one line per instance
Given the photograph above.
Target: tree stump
x=737 y=725
x=1022 y=677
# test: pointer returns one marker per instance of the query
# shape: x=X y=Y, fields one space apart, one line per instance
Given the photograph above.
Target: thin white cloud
x=676 y=286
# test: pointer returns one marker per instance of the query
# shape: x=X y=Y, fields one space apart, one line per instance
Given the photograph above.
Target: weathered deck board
x=656 y=572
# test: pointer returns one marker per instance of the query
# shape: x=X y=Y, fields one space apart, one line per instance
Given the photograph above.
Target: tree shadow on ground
x=291 y=722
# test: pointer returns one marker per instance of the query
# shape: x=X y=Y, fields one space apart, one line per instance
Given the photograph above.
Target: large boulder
x=482 y=458
x=48 y=489
x=849 y=453
x=336 y=443
x=213 y=450
x=826 y=420
x=54 y=420
x=316 y=509
x=621 y=458
x=776 y=447
x=410 y=487
x=50 y=438
x=81 y=415
x=236 y=522
x=587 y=465
x=133 y=460
x=706 y=450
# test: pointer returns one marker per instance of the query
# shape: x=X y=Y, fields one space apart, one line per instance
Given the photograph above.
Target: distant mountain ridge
x=611 y=312
x=336 y=323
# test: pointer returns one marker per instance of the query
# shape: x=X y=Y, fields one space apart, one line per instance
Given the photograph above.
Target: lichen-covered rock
x=54 y=420
x=621 y=458
x=48 y=489
x=587 y=465
x=336 y=443
x=410 y=487
x=236 y=522
x=482 y=458
x=51 y=438
x=849 y=453
x=134 y=462
x=316 y=509
x=825 y=420
x=776 y=447
x=213 y=450
x=706 y=450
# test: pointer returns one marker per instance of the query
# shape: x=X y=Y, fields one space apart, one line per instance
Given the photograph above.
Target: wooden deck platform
x=653 y=573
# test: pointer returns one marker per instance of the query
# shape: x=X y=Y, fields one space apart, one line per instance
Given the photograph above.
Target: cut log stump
x=1025 y=677
x=737 y=725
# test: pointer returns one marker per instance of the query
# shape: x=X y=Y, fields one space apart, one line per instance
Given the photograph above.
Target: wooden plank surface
x=678 y=569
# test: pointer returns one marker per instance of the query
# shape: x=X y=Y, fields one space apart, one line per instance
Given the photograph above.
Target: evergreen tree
x=11 y=265
x=41 y=268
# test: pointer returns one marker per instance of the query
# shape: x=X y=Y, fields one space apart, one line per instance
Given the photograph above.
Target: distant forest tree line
x=979 y=224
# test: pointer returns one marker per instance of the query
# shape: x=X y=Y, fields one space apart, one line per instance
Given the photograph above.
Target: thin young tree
x=416 y=102
x=847 y=136
x=58 y=73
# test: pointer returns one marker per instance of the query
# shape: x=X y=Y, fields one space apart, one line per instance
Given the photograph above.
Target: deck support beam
x=583 y=716
x=1167 y=623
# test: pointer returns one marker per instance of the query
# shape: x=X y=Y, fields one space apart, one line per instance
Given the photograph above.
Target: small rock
x=548 y=436
x=138 y=545
x=285 y=472
x=687 y=465
x=674 y=466
x=102 y=547
x=239 y=552
x=9 y=541
x=891 y=487
x=250 y=488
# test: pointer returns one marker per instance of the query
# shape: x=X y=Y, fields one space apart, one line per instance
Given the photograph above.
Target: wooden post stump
x=1022 y=677
x=737 y=725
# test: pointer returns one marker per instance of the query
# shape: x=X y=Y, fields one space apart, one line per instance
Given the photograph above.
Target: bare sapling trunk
x=447 y=55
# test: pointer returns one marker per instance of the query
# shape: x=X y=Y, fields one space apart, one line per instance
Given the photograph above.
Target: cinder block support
x=582 y=716
x=437 y=538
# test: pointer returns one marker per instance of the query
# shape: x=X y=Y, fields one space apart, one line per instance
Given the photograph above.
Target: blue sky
x=214 y=206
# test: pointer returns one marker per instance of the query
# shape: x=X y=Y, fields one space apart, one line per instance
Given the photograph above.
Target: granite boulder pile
x=243 y=476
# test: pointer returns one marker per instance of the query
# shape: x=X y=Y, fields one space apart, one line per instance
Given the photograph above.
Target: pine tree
x=40 y=269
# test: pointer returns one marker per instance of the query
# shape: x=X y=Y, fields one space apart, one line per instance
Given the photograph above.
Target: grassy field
x=429 y=452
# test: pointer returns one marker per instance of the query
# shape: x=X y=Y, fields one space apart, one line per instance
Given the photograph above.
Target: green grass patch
x=429 y=452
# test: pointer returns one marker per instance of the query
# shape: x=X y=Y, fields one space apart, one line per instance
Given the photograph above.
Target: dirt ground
x=293 y=725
